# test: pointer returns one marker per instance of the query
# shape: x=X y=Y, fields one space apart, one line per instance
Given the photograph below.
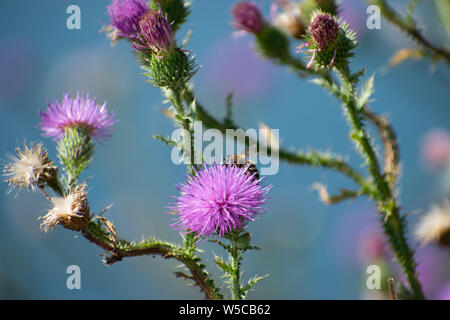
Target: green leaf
x=224 y=266
x=167 y=141
x=250 y=284
x=366 y=92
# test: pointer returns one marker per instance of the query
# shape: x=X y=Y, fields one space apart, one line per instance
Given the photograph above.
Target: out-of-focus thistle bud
x=125 y=16
x=435 y=225
x=177 y=11
x=247 y=16
x=272 y=42
x=329 y=42
x=165 y=64
x=308 y=7
x=290 y=19
x=31 y=168
x=241 y=161
x=71 y=211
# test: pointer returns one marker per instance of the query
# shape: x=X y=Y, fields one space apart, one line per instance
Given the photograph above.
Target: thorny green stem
x=410 y=29
x=393 y=223
x=235 y=254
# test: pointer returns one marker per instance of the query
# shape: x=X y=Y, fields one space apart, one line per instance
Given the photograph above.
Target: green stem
x=235 y=255
x=393 y=223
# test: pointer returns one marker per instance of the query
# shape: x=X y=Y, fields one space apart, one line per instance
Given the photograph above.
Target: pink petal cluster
x=81 y=111
x=218 y=199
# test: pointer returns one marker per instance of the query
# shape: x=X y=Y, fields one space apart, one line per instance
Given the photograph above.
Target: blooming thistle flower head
x=435 y=225
x=218 y=199
x=76 y=112
x=324 y=29
x=329 y=41
x=71 y=211
x=155 y=33
x=125 y=16
x=30 y=168
x=247 y=17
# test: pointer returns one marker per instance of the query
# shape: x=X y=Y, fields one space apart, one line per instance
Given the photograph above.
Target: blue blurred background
x=309 y=250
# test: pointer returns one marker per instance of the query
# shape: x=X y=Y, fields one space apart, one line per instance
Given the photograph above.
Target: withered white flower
x=71 y=211
x=30 y=168
x=435 y=225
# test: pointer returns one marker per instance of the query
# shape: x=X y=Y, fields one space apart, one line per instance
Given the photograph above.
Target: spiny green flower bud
x=177 y=11
x=329 y=42
x=171 y=71
x=75 y=150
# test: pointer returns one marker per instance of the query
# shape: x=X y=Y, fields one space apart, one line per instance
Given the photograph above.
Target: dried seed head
x=30 y=169
x=435 y=225
x=71 y=211
x=241 y=161
x=247 y=17
x=324 y=29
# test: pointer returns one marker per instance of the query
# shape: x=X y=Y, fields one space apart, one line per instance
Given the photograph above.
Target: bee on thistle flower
x=241 y=161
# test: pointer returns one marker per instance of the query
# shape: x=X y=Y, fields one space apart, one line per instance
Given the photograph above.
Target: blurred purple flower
x=17 y=65
x=444 y=294
x=247 y=16
x=430 y=268
x=354 y=13
x=372 y=245
x=125 y=16
x=435 y=148
x=233 y=66
x=218 y=199
x=81 y=111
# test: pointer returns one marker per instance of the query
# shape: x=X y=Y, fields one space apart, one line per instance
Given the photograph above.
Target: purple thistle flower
x=218 y=199
x=247 y=17
x=155 y=32
x=125 y=16
x=81 y=111
x=324 y=30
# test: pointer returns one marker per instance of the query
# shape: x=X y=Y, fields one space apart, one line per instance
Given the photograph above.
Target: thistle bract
x=217 y=200
x=247 y=17
x=177 y=11
x=76 y=112
x=125 y=16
